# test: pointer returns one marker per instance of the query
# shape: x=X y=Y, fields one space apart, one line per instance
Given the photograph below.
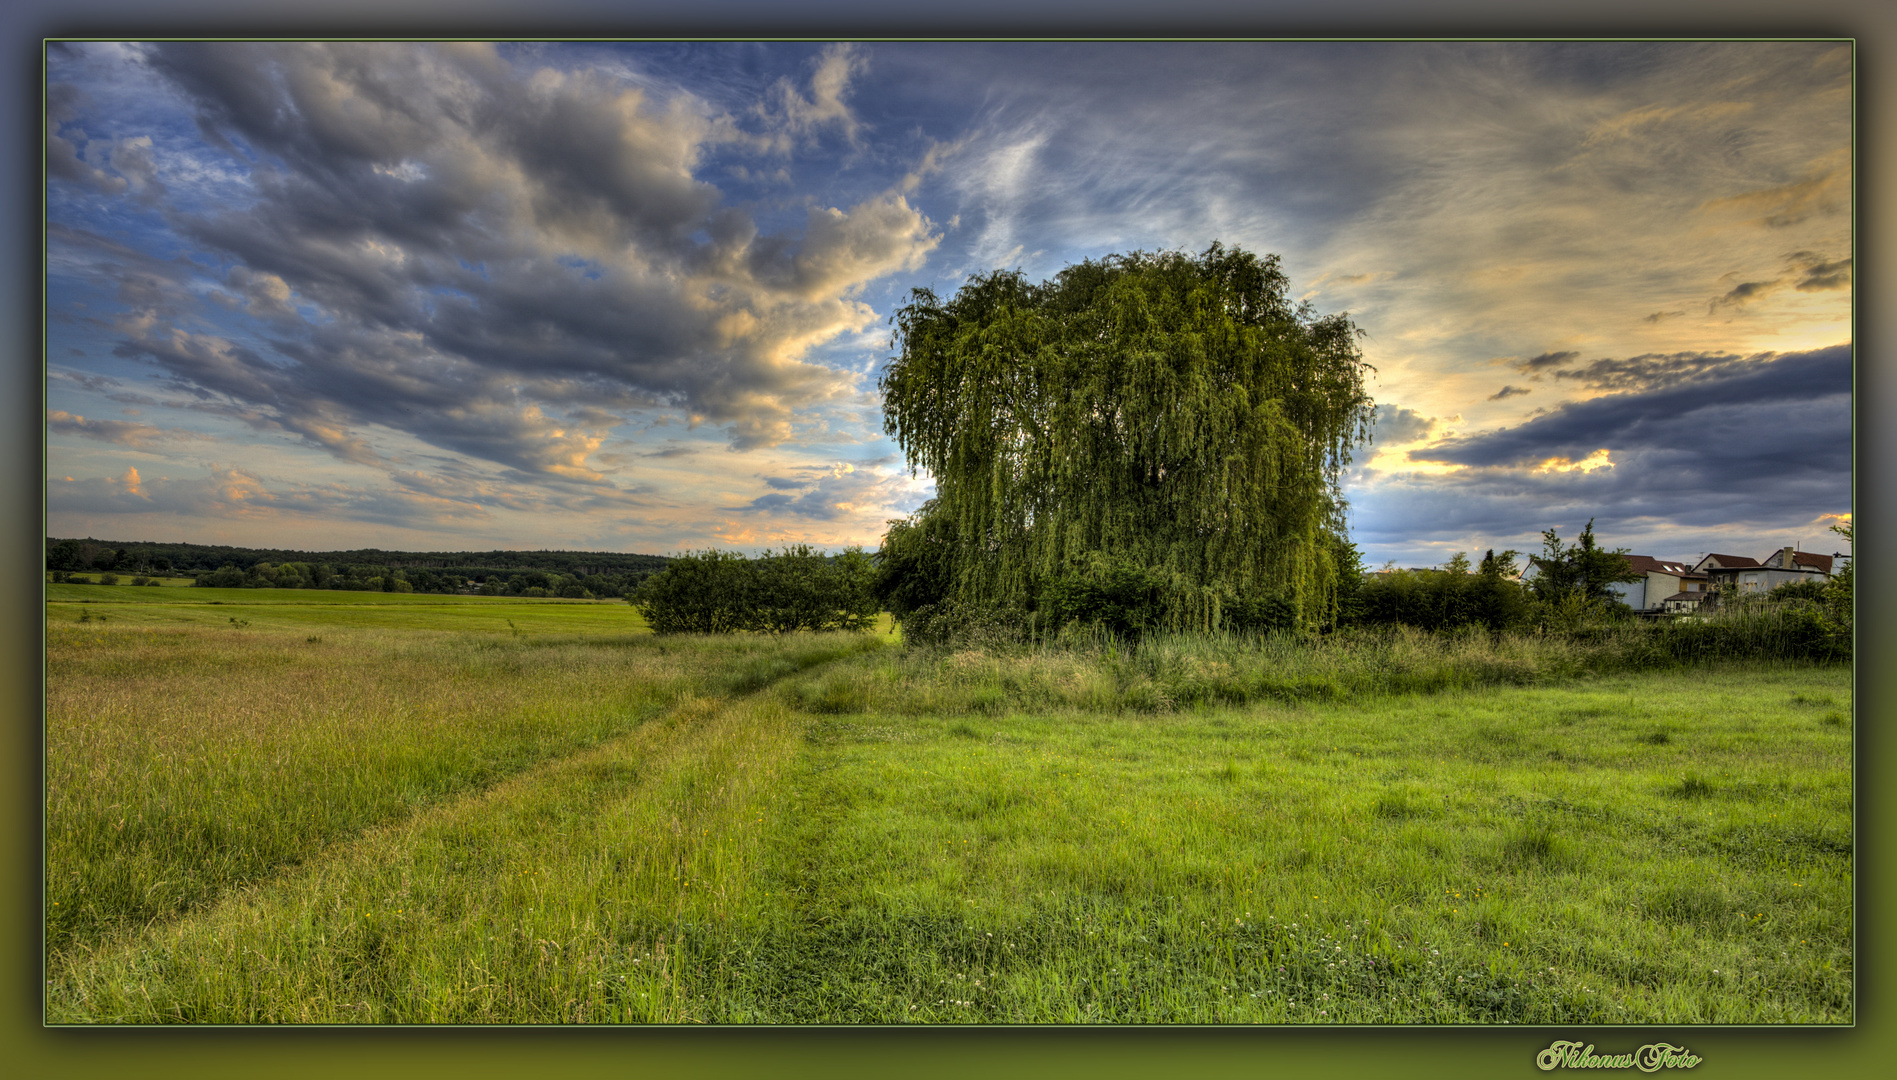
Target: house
x=1659 y=579
x=1723 y=570
x=1784 y=566
x=1684 y=602
x=1804 y=562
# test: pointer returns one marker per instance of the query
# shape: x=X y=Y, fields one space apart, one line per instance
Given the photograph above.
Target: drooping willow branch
x=1172 y=412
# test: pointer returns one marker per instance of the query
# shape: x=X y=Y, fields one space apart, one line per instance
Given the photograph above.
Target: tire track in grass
x=564 y=894
x=183 y=763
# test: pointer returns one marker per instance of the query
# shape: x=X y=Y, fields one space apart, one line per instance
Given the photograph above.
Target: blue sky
x=636 y=296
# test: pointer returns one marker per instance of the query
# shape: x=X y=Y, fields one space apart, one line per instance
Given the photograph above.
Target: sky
x=636 y=296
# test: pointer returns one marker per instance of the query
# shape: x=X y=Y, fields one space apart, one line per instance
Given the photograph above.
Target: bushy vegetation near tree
x=1152 y=439
x=1839 y=602
x=718 y=592
x=1808 y=591
x=1449 y=598
x=1583 y=567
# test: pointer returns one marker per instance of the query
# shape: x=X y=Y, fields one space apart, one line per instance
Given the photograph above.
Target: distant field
x=370 y=812
x=125 y=581
x=336 y=609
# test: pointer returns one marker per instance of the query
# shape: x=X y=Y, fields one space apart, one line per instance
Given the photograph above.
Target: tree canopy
x=1172 y=415
x=1584 y=568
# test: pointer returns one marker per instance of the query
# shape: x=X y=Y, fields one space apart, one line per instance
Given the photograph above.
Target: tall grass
x=183 y=761
x=1090 y=670
x=582 y=891
x=1490 y=854
x=1497 y=855
x=321 y=823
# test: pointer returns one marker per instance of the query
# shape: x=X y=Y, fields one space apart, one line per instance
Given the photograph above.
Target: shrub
x=1118 y=596
x=1813 y=591
x=1449 y=598
x=224 y=577
x=803 y=589
x=108 y=579
x=953 y=625
x=716 y=592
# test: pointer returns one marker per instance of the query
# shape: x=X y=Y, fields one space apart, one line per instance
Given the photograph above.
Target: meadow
x=323 y=808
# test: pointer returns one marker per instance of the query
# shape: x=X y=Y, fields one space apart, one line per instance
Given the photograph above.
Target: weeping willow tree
x=1175 y=415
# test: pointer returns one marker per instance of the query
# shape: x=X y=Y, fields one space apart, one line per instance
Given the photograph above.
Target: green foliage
x=1583 y=567
x=952 y=624
x=915 y=562
x=703 y=592
x=1808 y=591
x=1838 y=601
x=719 y=592
x=63 y=556
x=1449 y=598
x=595 y=573
x=802 y=589
x=1116 y=595
x=1180 y=415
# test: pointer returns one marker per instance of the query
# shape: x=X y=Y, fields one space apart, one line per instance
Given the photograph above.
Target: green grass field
x=346 y=808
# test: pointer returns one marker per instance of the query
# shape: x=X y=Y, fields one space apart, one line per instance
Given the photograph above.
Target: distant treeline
x=578 y=574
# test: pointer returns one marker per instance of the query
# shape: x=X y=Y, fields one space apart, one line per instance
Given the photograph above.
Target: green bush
x=1813 y=591
x=717 y=592
x=1118 y=596
x=224 y=577
x=1449 y=598
x=952 y=625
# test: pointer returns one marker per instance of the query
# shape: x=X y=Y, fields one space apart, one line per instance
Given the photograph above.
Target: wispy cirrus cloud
x=118 y=432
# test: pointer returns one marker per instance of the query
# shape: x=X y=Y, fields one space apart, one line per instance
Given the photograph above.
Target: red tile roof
x=1817 y=562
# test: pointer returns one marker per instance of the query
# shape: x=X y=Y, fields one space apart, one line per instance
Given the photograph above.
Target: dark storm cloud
x=1644 y=493
x=68 y=147
x=1771 y=416
x=499 y=262
x=1760 y=444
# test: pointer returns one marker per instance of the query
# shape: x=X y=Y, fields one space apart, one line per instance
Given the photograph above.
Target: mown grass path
x=183 y=760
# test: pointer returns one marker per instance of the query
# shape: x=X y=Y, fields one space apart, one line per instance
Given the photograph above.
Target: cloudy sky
x=635 y=296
